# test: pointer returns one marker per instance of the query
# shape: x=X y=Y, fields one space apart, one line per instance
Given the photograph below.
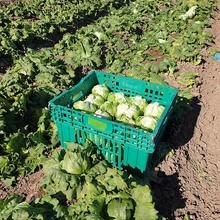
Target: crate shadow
x=180 y=130
x=167 y=195
x=166 y=188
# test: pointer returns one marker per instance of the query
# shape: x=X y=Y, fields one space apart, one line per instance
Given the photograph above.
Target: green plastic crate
x=122 y=145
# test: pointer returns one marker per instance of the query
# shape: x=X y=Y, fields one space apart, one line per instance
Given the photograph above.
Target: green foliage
x=143 y=200
x=76 y=162
x=45 y=207
x=102 y=192
x=48 y=18
x=120 y=209
x=187 y=78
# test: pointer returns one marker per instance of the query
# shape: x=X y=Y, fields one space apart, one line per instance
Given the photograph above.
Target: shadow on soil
x=166 y=188
x=181 y=130
x=5 y=62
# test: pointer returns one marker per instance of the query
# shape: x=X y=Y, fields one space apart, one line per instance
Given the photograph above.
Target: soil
x=188 y=181
x=26 y=185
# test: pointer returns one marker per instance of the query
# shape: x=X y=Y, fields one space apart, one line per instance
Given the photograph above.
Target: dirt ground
x=188 y=180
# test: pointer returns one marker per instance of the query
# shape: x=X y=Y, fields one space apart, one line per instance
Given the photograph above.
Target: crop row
x=24 y=24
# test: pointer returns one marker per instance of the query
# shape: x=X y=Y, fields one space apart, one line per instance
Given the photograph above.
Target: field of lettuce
x=48 y=46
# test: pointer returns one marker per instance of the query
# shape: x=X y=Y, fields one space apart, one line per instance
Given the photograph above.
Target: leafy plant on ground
x=187 y=78
x=99 y=192
x=24 y=23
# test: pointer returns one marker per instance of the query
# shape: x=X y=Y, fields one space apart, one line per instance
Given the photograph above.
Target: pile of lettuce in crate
x=125 y=118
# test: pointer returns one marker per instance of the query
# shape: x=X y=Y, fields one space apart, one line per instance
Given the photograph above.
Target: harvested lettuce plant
x=95 y=99
x=101 y=89
x=146 y=122
x=85 y=106
x=139 y=101
x=154 y=109
x=116 y=106
x=102 y=114
x=117 y=97
x=109 y=107
x=131 y=111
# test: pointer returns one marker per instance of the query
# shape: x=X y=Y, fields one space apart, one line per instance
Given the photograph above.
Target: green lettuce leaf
x=120 y=209
x=76 y=162
x=145 y=212
x=187 y=78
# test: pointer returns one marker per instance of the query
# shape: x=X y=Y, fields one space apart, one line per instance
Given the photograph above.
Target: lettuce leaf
x=76 y=162
x=120 y=209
